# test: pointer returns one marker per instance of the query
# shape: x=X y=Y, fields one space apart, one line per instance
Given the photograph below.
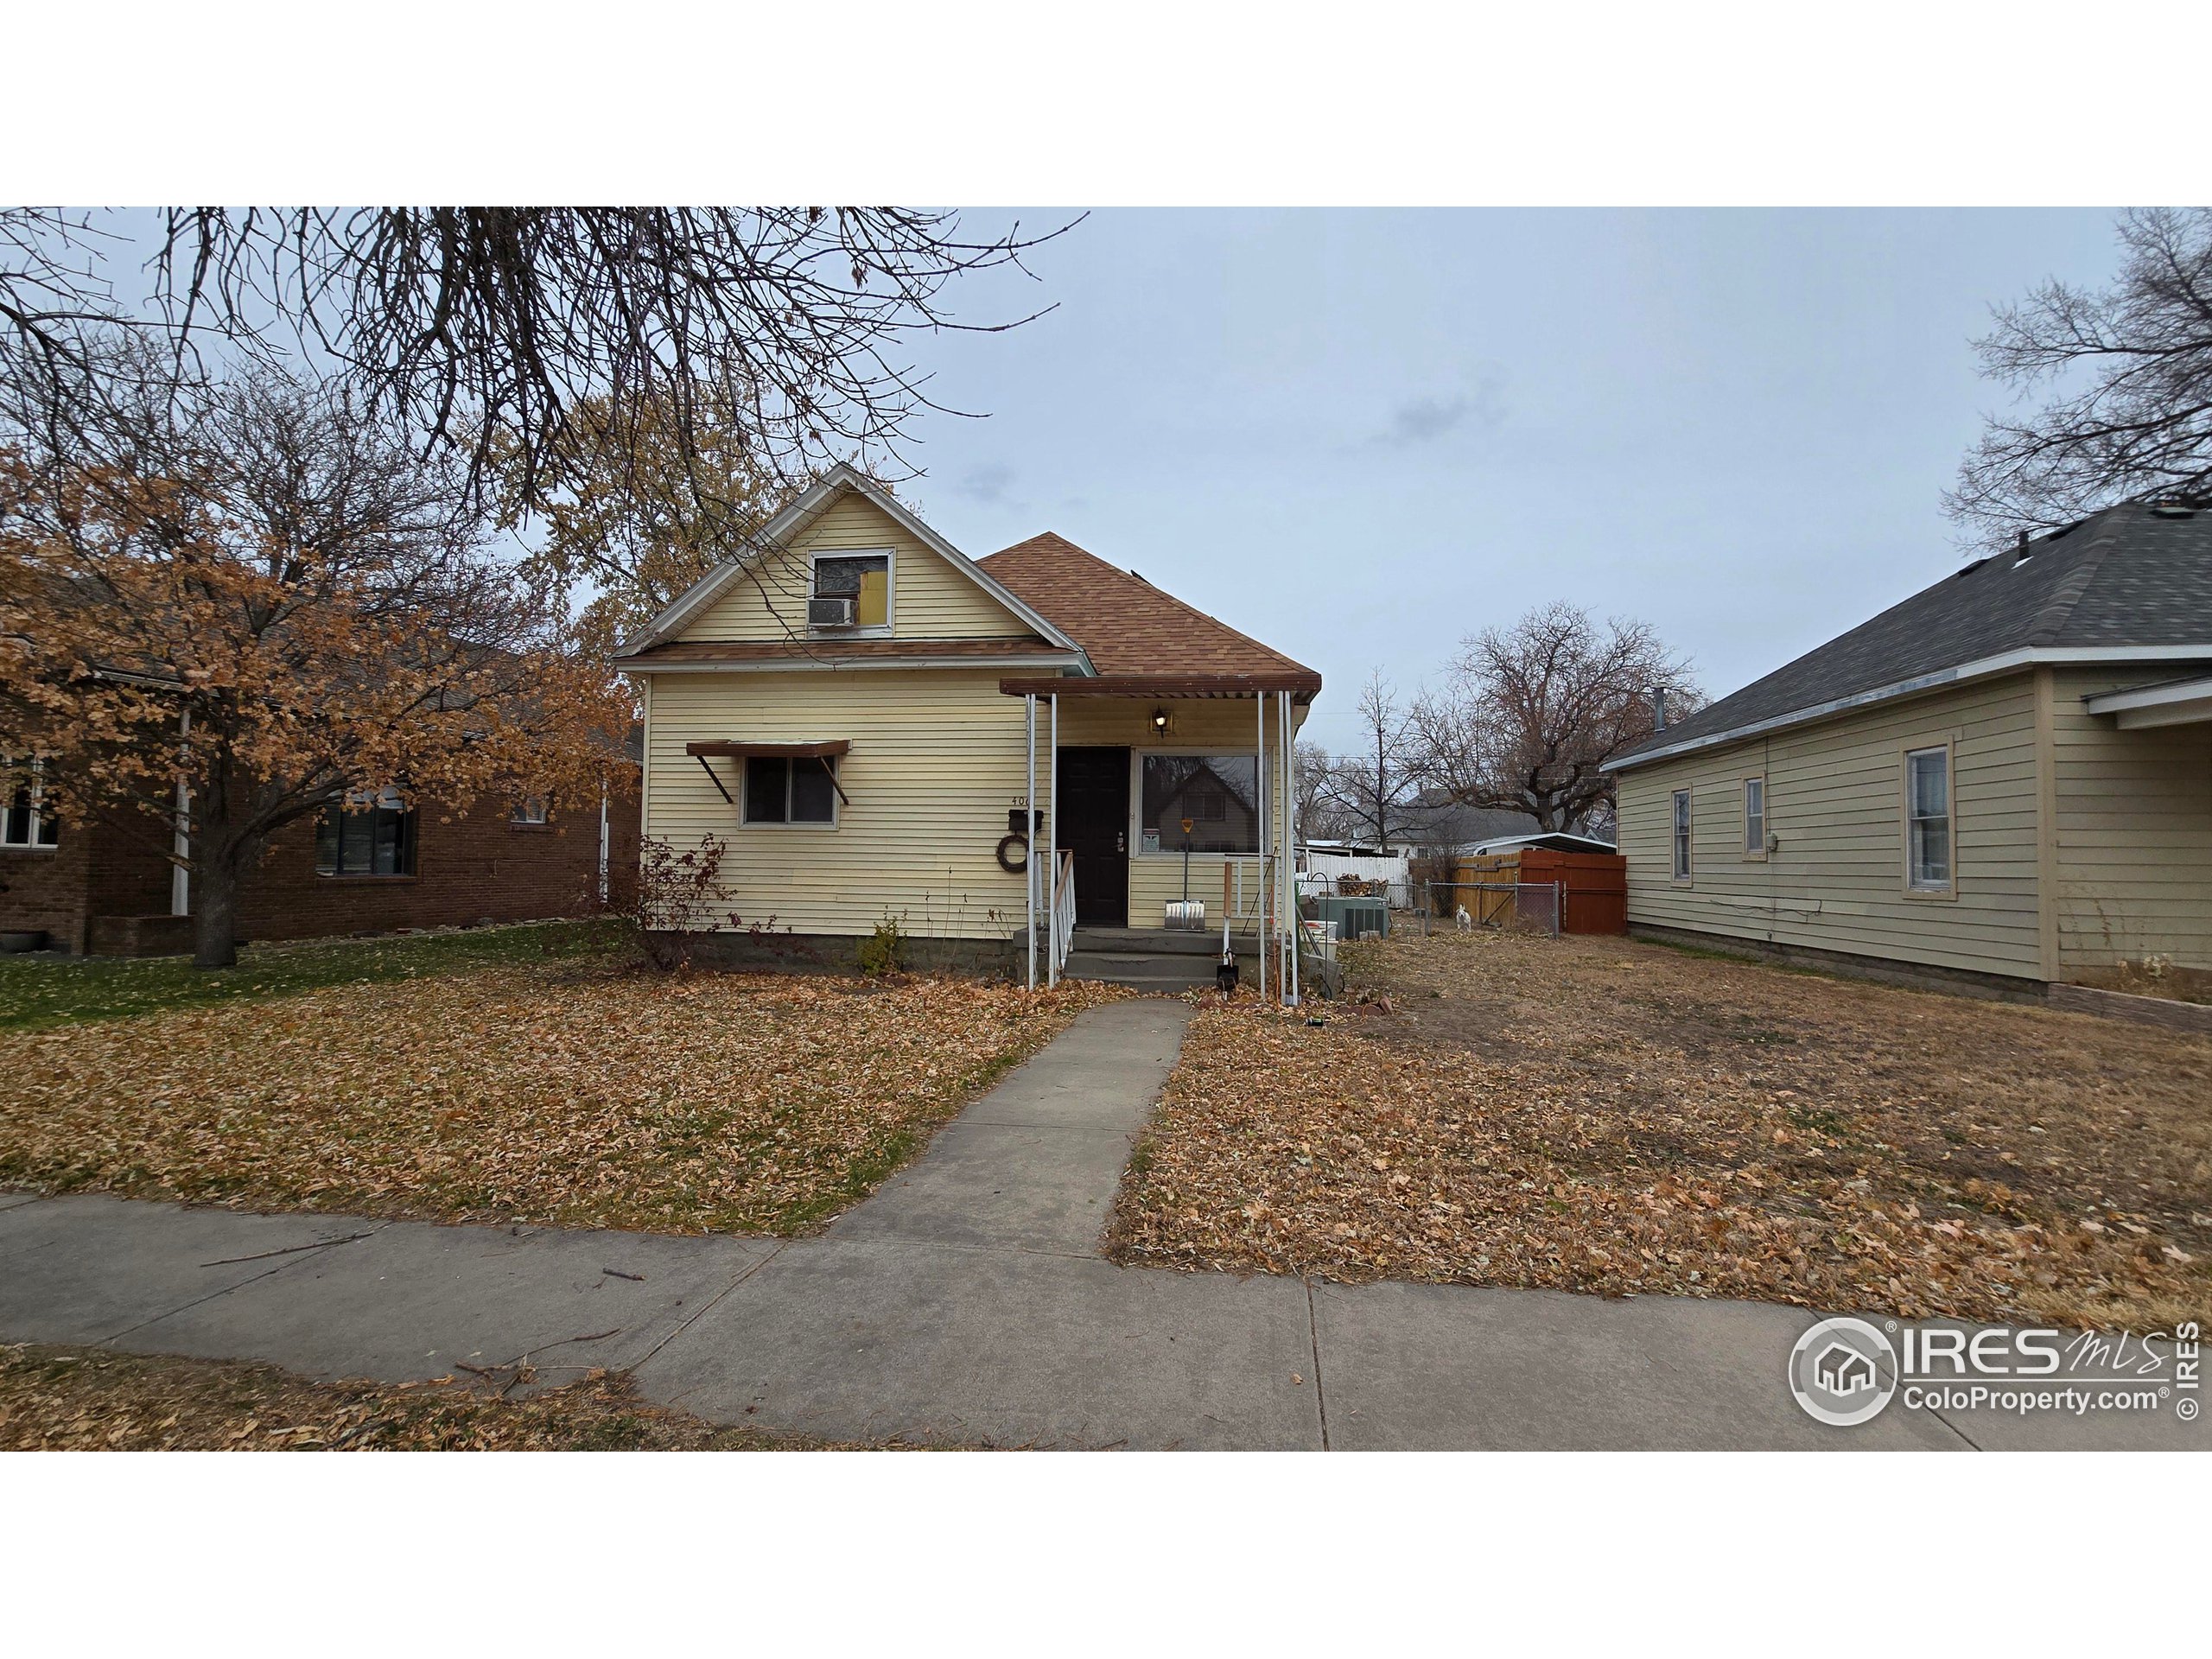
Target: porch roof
x=1302 y=685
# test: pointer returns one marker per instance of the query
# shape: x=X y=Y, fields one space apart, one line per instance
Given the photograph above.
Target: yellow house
x=2006 y=778
x=1020 y=759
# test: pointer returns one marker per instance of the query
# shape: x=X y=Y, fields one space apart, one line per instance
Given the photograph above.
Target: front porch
x=1159 y=797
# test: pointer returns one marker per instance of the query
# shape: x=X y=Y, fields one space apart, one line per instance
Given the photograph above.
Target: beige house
x=2008 y=776
x=863 y=715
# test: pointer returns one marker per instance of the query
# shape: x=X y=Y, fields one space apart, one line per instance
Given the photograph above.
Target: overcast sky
x=1360 y=435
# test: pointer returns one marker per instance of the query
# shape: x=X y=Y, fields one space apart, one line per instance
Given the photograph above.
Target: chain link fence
x=1531 y=906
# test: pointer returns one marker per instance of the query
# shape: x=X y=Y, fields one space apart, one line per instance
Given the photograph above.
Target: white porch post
x=1029 y=841
x=1290 y=815
x=1052 y=872
x=1263 y=894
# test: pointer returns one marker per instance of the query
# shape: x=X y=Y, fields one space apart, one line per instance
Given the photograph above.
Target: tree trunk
x=215 y=914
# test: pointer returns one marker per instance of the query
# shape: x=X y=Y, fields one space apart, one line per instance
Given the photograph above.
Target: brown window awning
x=739 y=748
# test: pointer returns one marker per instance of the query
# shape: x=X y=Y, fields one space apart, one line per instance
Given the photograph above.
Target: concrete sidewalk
x=965 y=1303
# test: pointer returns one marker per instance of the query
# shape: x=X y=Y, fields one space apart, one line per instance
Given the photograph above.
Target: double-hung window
x=1928 y=820
x=1754 y=817
x=26 y=823
x=780 y=790
x=1681 y=835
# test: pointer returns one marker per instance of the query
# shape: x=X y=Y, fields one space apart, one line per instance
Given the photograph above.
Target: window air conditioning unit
x=830 y=613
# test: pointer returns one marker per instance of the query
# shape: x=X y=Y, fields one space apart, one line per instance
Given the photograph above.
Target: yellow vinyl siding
x=2134 y=829
x=930 y=599
x=936 y=763
x=1835 y=799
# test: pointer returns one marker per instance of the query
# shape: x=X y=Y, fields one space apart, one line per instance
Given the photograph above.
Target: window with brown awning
x=826 y=750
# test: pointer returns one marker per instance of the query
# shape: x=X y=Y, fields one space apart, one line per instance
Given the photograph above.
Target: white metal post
x=1052 y=870
x=1283 y=883
x=1029 y=843
x=1260 y=762
x=1289 y=850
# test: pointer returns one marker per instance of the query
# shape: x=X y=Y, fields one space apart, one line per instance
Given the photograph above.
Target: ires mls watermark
x=1846 y=1372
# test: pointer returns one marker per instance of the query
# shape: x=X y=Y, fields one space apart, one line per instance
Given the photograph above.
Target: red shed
x=1593 y=885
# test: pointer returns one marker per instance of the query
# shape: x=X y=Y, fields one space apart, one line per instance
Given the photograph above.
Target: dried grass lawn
x=1598 y=1115
x=575 y=1093
x=79 y=1399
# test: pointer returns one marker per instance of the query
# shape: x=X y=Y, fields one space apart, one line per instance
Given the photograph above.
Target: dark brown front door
x=1095 y=826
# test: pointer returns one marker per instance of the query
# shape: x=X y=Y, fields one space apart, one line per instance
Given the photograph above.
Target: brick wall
x=108 y=867
x=477 y=868
x=480 y=866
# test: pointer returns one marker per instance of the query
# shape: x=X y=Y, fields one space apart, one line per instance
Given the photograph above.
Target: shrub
x=884 y=951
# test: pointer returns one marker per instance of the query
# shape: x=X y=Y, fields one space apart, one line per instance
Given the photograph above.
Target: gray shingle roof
x=2128 y=576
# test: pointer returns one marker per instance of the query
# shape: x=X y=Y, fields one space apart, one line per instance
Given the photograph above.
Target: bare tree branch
x=2129 y=374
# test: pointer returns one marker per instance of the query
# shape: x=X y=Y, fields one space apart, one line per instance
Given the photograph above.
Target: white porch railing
x=1063 y=913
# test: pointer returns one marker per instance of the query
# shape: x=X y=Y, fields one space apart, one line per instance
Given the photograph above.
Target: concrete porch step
x=1142 y=970
x=1164 y=942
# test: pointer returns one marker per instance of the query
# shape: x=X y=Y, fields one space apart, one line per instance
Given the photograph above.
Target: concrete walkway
x=965 y=1303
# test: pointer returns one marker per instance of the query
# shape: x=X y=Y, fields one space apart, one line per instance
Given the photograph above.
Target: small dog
x=1226 y=973
x=1463 y=922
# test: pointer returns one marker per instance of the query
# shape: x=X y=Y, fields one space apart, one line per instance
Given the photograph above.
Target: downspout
x=604 y=844
x=180 y=844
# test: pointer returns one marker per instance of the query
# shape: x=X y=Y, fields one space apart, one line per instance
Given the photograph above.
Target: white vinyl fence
x=1322 y=869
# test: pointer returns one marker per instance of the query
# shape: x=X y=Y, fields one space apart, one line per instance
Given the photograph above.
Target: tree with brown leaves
x=230 y=606
x=1529 y=715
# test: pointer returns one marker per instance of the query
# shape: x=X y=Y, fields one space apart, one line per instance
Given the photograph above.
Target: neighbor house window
x=1928 y=819
x=532 y=809
x=1217 y=794
x=852 y=591
x=373 y=835
x=1681 y=833
x=27 y=823
x=780 y=790
x=1755 y=815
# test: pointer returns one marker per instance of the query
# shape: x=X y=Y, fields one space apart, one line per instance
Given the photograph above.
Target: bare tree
x=1374 y=787
x=1319 y=818
x=482 y=329
x=2130 y=370
x=1529 y=714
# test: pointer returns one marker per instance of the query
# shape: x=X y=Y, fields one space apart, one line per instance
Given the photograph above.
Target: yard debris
x=1709 y=1128
x=617 y=1273
x=55 y=1399
x=572 y=1095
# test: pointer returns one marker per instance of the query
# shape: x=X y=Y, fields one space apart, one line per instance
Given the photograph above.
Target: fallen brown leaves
x=72 y=1399
x=574 y=1094
x=1600 y=1116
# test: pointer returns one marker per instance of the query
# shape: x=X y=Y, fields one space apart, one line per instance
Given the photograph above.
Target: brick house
x=99 y=886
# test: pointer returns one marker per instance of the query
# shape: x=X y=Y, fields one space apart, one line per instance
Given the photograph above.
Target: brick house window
x=26 y=824
x=532 y=810
x=373 y=835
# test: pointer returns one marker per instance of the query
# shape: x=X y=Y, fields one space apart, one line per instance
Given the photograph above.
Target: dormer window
x=851 y=592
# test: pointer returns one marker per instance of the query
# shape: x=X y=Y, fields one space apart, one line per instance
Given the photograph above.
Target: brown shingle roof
x=834 y=651
x=1125 y=624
